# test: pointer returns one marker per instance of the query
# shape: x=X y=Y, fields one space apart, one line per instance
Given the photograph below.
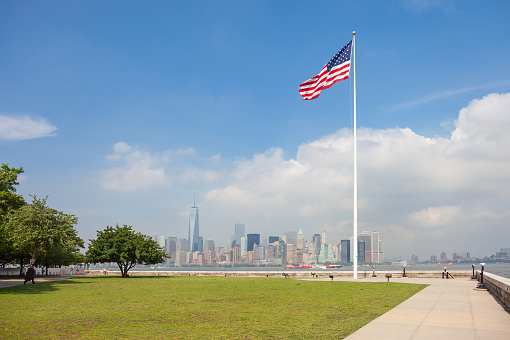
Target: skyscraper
x=345 y=252
x=171 y=248
x=377 y=253
x=301 y=240
x=209 y=251
x=316 y=241
x=273 y=239
x=161 y=241
x=193 y=224
x=361 y=251
x=239 y=232
x=252 y=240
x=373 y=252
x=291 y=237
x=366 y=236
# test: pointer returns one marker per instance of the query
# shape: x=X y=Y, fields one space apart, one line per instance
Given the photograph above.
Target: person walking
x=29 y=276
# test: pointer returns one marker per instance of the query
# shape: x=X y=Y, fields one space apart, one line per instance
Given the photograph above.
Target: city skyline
x=122 y=112
x=293 y=249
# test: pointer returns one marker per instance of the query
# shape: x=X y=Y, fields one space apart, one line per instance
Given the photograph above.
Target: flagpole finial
x=353 y=32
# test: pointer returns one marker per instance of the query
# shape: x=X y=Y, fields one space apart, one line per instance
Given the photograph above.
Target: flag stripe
x=339 y=66
x=325 y=79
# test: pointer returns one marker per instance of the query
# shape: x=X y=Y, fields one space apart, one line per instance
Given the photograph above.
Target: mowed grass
x=195 y=308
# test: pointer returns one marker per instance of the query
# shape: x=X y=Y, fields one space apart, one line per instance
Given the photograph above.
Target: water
x=501 y=269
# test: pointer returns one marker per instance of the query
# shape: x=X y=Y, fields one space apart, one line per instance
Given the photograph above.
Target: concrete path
x=447 y=309
x=38 y=279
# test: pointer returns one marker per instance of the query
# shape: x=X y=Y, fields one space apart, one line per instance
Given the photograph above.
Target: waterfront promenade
x=446 y=309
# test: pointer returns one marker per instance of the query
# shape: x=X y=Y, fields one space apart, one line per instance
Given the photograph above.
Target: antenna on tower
x=194 y=206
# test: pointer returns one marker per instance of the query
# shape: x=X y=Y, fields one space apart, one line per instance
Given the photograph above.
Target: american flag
x=337 y=69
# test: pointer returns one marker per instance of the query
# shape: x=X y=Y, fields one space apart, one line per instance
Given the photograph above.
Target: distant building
x=323 y=238
x=239 y=232
x=272 y=251
x=182 y=245
x=259 y=253
x=282 y=251
x=244 y=246
x=235 y=254
x=291 y=253
x=171 y=248
x=301 y=243
x=253 y=239
x=161 y=240
x=316 y=243
x=273 y=239
x=361 y=251
x=373 y=251
x=194 y=225
x=366 y=237
x=345 y=251
x=291 y=237
x=209 y=251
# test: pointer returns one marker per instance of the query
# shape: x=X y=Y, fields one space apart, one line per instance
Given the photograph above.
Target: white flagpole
x=355 y=218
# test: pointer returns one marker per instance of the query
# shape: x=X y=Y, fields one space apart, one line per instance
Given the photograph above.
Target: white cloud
x=436 y=216
x=121 y=147
x=24 y=127
x=187 y=151
x=198 y=175
x=139 y=169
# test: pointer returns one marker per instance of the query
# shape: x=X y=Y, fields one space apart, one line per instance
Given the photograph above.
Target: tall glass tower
x=239 y=232
x=194 y=244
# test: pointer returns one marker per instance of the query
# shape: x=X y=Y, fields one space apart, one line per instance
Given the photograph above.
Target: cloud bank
x=424 y=194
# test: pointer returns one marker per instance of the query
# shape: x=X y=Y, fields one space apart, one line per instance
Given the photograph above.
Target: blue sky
x=126 y=110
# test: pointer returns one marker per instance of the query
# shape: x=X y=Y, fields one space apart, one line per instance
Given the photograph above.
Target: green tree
x=9 y=199
x=7 y=253
x=35 y=227
x=125 y=247
x=62 y=254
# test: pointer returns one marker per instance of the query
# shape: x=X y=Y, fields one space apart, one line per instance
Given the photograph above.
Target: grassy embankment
x=194 y=308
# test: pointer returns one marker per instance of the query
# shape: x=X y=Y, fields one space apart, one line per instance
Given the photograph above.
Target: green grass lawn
x=195 y=308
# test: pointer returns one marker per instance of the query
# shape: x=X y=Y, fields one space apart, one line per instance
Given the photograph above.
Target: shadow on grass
x=38 y=287
x=132 y=277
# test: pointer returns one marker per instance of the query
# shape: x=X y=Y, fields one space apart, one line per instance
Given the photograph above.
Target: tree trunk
x=21 y=266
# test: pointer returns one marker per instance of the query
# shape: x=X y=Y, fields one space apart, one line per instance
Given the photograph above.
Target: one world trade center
x=193 y=225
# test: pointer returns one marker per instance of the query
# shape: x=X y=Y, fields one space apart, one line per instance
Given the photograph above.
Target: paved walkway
x=38 y=279
x=447 y=309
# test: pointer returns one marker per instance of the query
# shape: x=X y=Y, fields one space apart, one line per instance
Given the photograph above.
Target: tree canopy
x=9 y=199
x=35 y=228
x=125 y=247
x=33 y=231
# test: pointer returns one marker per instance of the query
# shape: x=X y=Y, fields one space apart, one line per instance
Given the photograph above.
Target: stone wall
x=294 y=273
x=498 y=286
